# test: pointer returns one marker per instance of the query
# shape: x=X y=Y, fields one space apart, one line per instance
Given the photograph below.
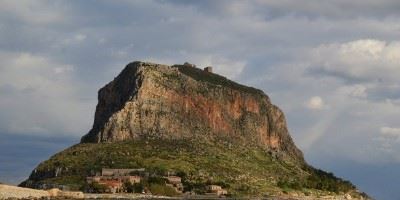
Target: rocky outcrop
x=8 y=191
x=13 y=192
x=193 y=122
x=149 y=100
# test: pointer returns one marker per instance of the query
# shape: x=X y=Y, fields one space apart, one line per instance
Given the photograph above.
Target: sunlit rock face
x=149 y=100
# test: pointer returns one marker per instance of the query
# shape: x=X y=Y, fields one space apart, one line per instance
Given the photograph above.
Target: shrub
x=138 y=187
x=156 y=180
x=158 y=189
x=96 y=188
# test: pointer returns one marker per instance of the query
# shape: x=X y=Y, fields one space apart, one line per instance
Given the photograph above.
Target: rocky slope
x=157 y=101
x=13 y=192
x=198 y=124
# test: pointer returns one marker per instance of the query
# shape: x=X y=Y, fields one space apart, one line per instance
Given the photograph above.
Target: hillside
x=198 y=125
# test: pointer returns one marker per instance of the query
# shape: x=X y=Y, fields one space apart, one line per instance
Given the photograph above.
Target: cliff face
x=181 y=102
x=197 y=124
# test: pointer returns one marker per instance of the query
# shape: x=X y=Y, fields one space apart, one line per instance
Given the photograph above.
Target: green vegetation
x=215 y=79
x=95 y=188
x=156 y=185
x=161 y=189
x=319 y=180
x=241 y=170
x=134 y=188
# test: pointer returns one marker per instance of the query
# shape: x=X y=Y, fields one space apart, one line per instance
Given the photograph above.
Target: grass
x=242 y=170
x=159 y=189
x=215 y=79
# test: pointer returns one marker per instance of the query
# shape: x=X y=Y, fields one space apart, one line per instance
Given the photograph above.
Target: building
x=130 y=179
x=93 y=179
x=114 y=179
x=113 y=186
x=175 y=182
x=120 y=172
x=123 y=179
x=174 y=179
x=216 y=189
x=208 y=69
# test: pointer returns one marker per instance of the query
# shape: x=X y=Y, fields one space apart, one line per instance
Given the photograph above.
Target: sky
x=331 y=66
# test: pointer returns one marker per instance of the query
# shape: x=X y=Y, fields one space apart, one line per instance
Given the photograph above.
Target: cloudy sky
x=332 y=66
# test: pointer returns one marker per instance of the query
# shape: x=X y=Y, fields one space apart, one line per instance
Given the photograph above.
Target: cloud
x=230 y=68
x=55 y=55
x=361 y=60
x=333 y=9
x=80 y=37
x=389 y=131
x=315 y=103
x=357 y=90
x=63 y=69
x=39 y=96
x=339 y=9
x=33 y=12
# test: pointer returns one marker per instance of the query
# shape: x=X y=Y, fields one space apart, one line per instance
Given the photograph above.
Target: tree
x=133 y=188
x=97 y=188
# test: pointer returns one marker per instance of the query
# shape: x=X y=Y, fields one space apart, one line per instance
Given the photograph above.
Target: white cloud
x=39 y=96
x=71 y=40
x=315 y=103
x=366 y=59
x=221 y=65
x=227 y=67
x=332 y=9
x=32 y=12
x=63 y=69
x=357 y=90
x=389 y=131
x=80 y=37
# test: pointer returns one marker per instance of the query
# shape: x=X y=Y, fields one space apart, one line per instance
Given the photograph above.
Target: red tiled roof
x=112 y=183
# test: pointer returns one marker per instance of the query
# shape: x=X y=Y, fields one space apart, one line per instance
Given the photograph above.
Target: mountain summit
x=183 y=102
x=200 y=126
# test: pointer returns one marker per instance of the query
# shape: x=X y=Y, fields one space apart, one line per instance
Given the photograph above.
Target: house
x=93 y=179
x=216 y=189
x=174 y=179
x=123 y=179
x=130 y=179
x=175 y=182
x=208 y=69
x=119 y=172
x=114 y=179
x=113 y=186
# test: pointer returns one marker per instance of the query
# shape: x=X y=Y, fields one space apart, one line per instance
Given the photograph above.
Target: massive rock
x=149 y=100
x=194 y=123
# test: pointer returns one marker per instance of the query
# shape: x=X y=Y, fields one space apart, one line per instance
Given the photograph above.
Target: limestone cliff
x=194 y=123
x=149 y=100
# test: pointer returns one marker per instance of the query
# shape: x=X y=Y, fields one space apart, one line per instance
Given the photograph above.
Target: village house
x=175 y=182
x=216 y=189
x=113 y=186
x=114 y=179
x=93 y=179
x=130 y=179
